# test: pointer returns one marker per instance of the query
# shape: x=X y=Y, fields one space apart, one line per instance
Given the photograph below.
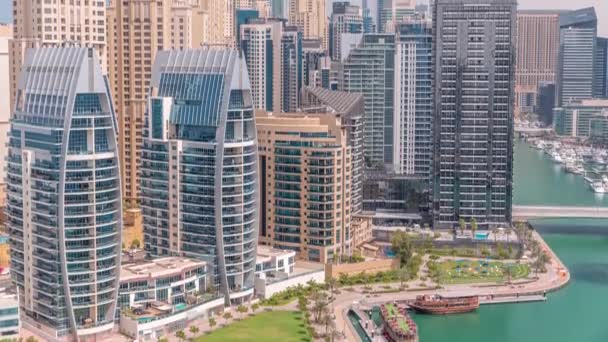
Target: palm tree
x=327 y=320
x=473 y=226
x=255 y=307
x=462 y=225
x=319 y=304
x=242 y=309
x=194 y=330
x=212 y=322
x=180 y=334
x=332 y=283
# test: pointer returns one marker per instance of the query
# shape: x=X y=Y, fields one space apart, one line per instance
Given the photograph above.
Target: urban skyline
x=169 y=163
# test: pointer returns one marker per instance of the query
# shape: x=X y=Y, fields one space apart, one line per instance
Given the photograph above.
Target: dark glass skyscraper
x=473 y=123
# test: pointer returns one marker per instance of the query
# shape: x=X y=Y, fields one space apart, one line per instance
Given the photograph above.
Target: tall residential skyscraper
x=54 y=23
x=273 y=53
x=306 y=173
x=413 y=105
x=136 y=31
x=6 y=32
x=309 y=17
x=64 y=202
x=578 y=30
x=199 y=165
x=537 y=50
x=473 y=121
x=370 y=70
x=345 y=18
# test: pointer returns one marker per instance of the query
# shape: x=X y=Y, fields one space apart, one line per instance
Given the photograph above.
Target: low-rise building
x=303 y=272
x=274 y=260
x=361 y=227
x=160 y=296
x=9 y=315
x=575 y=119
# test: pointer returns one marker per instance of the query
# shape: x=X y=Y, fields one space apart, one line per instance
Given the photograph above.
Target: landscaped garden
x=476 y=271
x=284 y=326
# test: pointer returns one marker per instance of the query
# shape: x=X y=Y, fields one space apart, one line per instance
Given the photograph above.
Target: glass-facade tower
x=199 y=166
x=412 y=149
x=64 y=195
x=473 y=121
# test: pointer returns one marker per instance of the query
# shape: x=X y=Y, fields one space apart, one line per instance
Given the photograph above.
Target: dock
x=484 y=300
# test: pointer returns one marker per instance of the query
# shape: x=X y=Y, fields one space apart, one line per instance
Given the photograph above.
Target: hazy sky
x=601 y=9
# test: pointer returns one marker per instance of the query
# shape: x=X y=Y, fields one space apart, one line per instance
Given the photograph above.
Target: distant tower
x=64 y=201
x=578 y=31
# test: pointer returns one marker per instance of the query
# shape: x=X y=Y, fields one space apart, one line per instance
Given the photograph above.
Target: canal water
x=577 y=313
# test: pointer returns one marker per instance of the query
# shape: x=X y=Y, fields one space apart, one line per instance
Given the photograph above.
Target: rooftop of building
x=8 y=295
x=339 y=101
x=157 y=267
x=267 y=251
x=583 y=17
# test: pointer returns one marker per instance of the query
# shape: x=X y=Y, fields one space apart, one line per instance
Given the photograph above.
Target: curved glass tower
x=199 y=180
x=64 y=200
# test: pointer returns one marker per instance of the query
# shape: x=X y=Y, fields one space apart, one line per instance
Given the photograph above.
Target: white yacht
x=598 y=187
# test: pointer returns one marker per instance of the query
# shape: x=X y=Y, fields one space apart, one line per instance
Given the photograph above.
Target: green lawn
x=465 y=271
x=284 y=326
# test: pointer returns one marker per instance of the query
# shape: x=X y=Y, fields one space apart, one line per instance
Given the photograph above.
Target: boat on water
x=439 y=305
x=398 y=325
x=598 y=187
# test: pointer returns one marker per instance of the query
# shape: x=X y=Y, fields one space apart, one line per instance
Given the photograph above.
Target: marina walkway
x=524 y=212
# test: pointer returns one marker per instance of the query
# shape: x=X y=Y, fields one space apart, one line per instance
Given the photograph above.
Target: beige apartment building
x=54 y=23
x=6 y=33
x=537 y=52
x=309 y=17
x=136 y=31
x=305 y=190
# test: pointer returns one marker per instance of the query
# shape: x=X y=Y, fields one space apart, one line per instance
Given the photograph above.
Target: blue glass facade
x=64 y=200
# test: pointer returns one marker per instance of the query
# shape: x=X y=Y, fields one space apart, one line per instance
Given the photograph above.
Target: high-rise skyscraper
x=64 y=201
x=578 y=31
x=473 y=121
x=537 y=50
x=306 y=193
x=199 y=165
x=600 y=69
x=6 y=32
x=413 y=105
x=54 y=23
x=400 y=9
x=370 y=70
x=345 y=18
x=309 y=17
x=136 y=31
x=273 y=53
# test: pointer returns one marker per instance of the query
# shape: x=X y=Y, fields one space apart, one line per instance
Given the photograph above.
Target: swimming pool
x=481 y=235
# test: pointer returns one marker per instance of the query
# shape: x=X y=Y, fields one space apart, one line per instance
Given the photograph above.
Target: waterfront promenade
x=556 y=277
